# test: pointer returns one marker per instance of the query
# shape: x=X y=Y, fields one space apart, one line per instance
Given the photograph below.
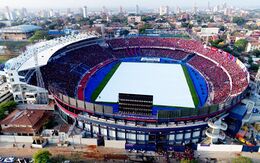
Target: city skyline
x=95 y=4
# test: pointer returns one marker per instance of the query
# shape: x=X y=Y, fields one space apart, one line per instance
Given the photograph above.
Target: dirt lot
x=76 y=153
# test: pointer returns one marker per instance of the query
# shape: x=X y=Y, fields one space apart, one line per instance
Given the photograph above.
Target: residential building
x=134 y=19
x=164 y=10
x=18 y=33
x=252 y=46
x=24 y=122
x=85 y=12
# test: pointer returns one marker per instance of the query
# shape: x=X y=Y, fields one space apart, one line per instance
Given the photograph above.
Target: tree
x=42 y=156
x=254 y=67
x=39 y=35
x=250 y=60
x=240 y=45
x=241 y=159
x=222 y=28
x=146 y=26
x=188 y=161
x=6 y=106
x=219 y=43
x=256 y=53
x=124 y=32
x=184 y=25
x=238 y=20
x=148 y=18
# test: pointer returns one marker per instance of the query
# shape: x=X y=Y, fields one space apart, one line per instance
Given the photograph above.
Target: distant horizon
x=126 y=4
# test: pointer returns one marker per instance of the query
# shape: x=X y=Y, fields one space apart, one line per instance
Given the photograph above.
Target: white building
x=164 y=10
x=257 y=79
x=5 y=94
x=134 y=19
x=51 y=13
x=85 y=12
x=251 y=46
x=19 y=70
x=137 y=10
x=208 y=32
x=8 y=14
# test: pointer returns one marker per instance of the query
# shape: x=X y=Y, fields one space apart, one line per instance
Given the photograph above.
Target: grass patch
x=104 y=82
x=191 y=86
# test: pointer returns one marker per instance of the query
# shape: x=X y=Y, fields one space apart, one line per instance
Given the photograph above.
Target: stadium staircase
x=188 y=58
x=216 y=130
x=72 y=128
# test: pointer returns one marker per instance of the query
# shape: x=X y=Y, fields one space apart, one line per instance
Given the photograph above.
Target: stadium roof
x=44 y=56
x=20 y=29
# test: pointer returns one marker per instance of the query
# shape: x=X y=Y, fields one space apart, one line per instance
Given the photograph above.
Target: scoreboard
x=135 y=104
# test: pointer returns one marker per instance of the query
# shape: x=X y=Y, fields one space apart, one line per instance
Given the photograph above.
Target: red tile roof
x=23 y=117
x=25 y=121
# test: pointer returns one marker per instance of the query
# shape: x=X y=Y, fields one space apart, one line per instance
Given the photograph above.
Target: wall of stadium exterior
x=115 y=127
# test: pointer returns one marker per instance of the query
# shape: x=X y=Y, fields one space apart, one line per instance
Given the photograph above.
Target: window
x=103 y=131
x=171 y=137
x=187 y=135
x=112 y=133
x=131 y=136
x=141 y=136
x=121 y=134
x=179 y=136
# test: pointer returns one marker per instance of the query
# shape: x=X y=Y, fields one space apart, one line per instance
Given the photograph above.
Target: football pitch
x=169 y=84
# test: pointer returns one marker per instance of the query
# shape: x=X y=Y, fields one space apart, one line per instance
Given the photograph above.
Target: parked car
x=9 y=160
x=1 y=159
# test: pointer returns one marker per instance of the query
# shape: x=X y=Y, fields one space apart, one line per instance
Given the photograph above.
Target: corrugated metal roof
x=20 y=29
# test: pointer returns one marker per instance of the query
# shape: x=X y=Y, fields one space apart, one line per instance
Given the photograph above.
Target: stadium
x=150 y=93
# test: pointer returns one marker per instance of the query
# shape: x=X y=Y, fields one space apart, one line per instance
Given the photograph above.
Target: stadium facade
x=76 y=69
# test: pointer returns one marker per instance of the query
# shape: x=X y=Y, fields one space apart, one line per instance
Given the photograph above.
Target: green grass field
x=191 y=86
x=106 y=79
x=104 y=82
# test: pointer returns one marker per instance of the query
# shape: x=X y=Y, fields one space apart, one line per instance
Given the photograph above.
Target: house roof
x=23 y=117
x=18 y=130
x=20 y=29
x=25 y=121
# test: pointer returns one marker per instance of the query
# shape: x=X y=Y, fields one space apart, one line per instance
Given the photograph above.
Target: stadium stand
x=224 y=76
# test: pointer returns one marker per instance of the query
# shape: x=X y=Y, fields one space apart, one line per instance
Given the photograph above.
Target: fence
x=77 y=139
x=87 y=106
x=187 y=112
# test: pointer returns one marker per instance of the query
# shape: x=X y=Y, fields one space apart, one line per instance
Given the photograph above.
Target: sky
x=124 y=3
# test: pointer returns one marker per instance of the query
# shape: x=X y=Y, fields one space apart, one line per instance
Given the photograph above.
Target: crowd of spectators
x=220 y=69
x=150 y=52
x=84 y=80
x=215 y=75
x=65 y=72
x=238 y=76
